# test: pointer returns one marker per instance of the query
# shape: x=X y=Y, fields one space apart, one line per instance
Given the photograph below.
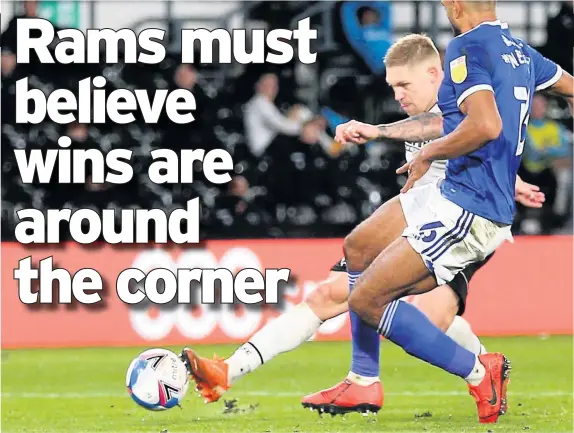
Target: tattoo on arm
x=422 y=127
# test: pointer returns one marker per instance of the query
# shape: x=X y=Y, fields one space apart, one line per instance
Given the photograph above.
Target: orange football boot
x=490 y=394
x=209 y=374
x=346 y=397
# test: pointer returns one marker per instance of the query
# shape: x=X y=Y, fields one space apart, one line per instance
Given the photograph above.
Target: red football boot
x=490 y=394
x=346 y=397
x=210 y=375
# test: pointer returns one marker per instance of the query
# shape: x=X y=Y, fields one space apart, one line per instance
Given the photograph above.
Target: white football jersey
x=437 y=168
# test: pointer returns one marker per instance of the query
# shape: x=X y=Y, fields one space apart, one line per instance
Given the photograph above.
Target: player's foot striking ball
x=209 y=374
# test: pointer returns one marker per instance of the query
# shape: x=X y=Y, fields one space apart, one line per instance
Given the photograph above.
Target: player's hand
x=416 y=169
x=528 y=195
x=356 y=132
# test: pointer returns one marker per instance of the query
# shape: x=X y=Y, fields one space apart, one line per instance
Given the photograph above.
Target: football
x=157 y=379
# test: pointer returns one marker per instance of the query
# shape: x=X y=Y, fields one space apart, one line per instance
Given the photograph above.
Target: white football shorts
x=447 y=237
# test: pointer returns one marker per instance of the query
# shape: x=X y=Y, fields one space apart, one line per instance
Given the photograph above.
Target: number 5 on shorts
x=427 y=233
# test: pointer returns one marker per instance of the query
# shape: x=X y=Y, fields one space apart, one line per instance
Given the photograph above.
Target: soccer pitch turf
x=82 y=390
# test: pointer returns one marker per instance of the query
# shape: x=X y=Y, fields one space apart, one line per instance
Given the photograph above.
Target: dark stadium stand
x=293 y=190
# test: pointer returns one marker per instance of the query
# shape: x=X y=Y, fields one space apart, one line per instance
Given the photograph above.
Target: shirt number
x=522 y=94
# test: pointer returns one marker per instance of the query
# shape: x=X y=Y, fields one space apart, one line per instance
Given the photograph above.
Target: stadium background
x=293 y=198
x=289 y=206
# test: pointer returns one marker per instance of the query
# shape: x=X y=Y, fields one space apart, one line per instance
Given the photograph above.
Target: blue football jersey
x=490 y=58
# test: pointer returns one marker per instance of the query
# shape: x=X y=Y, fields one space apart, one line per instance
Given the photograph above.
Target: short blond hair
x=482 y=5
x=411 y=49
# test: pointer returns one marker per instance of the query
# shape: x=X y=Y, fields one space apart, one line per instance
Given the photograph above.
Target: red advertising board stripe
x=525 y=289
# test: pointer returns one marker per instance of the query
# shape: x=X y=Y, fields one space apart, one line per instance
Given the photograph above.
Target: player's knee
x=450 y=310
x=354 y=250
x=442 y=319
x=354 y=303
x=440 y=306
x=320 y=297
x=370 y=312
x=359 y=305
x=438 y=314
x=327 y=300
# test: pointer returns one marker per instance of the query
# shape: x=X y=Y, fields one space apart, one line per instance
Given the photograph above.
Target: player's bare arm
x=422 y=127
x=564 y=88
x=481 y=125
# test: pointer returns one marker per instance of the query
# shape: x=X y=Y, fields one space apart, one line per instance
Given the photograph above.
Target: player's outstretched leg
x=359 y=394
x=288 y=331
x=388 y=278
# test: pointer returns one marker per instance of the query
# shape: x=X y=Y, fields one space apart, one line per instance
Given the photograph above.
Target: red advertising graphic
x=526 y=289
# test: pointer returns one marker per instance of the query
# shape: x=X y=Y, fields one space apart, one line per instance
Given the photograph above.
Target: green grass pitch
x=82 y=390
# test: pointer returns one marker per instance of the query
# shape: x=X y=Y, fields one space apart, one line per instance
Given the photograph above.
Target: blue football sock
x=366 y=342
x=406 y=326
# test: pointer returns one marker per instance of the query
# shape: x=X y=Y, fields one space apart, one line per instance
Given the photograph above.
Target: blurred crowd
x=290 y=178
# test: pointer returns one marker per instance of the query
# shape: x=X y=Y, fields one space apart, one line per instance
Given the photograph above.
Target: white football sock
x=283 y=334
x=362 y=380
x=461 y=332
x=477 y=373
